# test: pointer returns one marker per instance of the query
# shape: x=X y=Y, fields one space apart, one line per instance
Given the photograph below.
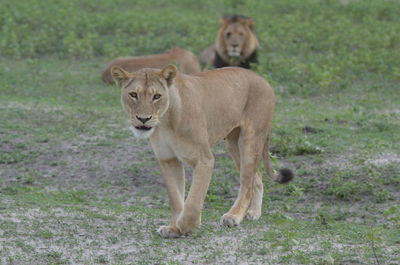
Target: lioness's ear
x=119 y=74
x=169 y=73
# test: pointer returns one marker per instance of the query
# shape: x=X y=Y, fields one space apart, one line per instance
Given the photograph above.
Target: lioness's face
x=145 y=101
x=144 y=96
x=235 y=36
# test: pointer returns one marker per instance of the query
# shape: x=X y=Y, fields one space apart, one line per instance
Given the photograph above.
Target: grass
x=77 y=188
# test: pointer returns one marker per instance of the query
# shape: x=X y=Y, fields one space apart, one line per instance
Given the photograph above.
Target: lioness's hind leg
x=254 y=211
x=250 y=155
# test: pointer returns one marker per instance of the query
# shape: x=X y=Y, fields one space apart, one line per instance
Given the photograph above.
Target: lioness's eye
x=133 y=94
x=228 y=34
x=156 y=96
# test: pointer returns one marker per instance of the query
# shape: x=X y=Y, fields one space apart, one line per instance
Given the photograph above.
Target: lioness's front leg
x=190 y=217
x=174 y=180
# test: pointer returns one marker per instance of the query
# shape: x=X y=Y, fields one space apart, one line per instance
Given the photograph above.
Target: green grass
x=77 y=188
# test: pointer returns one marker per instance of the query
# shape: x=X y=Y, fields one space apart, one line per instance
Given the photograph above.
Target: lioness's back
x=231 y=93
x=229 y=80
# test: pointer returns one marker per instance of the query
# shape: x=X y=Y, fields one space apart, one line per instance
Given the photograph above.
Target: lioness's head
x=144 y=96
x=236 y=37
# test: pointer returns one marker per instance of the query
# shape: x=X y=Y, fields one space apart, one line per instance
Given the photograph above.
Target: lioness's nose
x=235 y=45
x=144 y=120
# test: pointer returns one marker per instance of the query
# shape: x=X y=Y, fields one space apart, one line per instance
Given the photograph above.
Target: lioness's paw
x=252 y=215
x=168 y=231
x=230 y=220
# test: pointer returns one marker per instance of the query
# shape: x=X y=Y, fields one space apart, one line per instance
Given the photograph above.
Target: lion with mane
x=236 y=44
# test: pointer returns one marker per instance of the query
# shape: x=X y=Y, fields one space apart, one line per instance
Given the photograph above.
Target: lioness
x=235 y=45
x=188 y=63
x=184 y=116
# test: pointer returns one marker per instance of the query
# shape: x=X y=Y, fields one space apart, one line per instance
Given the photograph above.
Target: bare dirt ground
x=126 y=174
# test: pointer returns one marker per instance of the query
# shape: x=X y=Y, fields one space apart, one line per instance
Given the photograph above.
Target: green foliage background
x=305 y=44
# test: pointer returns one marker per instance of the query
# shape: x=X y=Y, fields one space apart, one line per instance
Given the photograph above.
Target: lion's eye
x=156 y=96
x=133 y=94
x=228 y=34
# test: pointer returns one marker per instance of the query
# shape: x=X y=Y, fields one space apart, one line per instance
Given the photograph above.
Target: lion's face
x=236 y=37
x=144 y=96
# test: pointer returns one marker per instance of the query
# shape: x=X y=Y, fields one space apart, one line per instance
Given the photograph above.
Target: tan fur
x=187 y=115
x=187 y=62
x=207 y=57
x=240 y=32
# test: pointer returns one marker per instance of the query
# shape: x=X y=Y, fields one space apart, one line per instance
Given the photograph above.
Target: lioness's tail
x=285 y=175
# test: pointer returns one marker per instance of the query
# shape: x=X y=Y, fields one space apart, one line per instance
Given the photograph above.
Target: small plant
x=374 y=239
x=285 y=145
x=343 y=190
x=382 y=195
x=393 y=215
x=102 y=259
x=287 y=231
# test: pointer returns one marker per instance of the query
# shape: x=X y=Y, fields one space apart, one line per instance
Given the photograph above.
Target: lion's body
x=190 y=115
x=187 y=62
x=236 y=44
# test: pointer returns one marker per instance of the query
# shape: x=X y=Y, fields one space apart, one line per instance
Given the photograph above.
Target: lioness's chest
x=167 y=145
x=162 y=146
